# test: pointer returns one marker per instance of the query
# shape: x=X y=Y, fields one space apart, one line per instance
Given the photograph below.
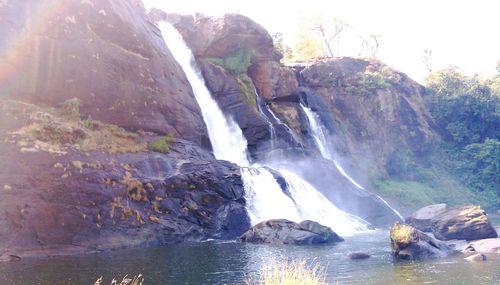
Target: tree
x=465 y=108
x=427 y=59
x=374 y=44
x=307 y=47
x=329 y=31
x=467 y=112
x=284 y=49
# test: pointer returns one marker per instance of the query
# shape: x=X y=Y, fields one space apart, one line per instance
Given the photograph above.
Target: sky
x=462 y=33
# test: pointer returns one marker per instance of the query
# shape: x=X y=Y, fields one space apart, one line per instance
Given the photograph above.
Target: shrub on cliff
x=236 y=63
x=162 y=144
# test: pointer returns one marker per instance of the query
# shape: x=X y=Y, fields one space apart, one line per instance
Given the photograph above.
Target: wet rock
x=463 y=222
x=286 y=232
x=408 y=243
x=490 y=245
x=358 y=255
x=476 y=257
x=423 y=218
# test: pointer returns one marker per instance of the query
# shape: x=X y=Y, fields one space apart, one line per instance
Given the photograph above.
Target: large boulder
x=220 y=36
x=287 y=232
x=423 y=218
x=489 y=245
x=408 y=243
x=463 y=222
x=104 y=53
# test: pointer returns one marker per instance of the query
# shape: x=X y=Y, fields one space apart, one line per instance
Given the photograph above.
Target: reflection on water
x=232 y=263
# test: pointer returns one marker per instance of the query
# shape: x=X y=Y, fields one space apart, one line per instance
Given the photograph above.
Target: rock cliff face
x=372 y=110
x=85 y=86
x=105 y=54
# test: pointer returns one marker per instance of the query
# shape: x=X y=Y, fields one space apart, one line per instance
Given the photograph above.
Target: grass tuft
x=291 y=273
x=136 y=280
x=402 y=233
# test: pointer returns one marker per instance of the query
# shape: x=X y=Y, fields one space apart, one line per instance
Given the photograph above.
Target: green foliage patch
x=163 y=144
x=71 y=108
x=465 y=166
x=467 y=113
x=368 y=82
x=236 y=63
x=246 y=87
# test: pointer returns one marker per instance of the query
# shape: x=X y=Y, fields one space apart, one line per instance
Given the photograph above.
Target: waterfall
x=272 y=130
x=262 y=197
x=227 y=140
x=319 y=136
x=322 y=143
x=265 y=198
x=313 y=205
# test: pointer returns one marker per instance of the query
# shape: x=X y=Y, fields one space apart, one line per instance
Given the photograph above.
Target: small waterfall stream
x=318 y=133
x=265 y=198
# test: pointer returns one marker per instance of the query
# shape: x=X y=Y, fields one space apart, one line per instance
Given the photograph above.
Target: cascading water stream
x=227 y=140
x=316 y=207
x=265 y=198
x=272 y=130
x=322 y=144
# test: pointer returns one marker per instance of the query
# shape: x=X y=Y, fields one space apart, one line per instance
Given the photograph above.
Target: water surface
x=233 y=263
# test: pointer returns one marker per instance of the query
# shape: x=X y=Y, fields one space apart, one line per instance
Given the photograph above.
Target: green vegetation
x=162 y=144
x=467 y=112
x=466 y=109
x=246 y=87
x=285 y=50
x=372 y=79
x=56 y=130
x=465 y=166
x=402 y=233
x=236 y=63
x=307 y=47
x=71 y=108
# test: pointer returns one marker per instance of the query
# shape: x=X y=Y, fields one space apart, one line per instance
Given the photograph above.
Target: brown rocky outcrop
x=106 y=54
x=370 y=110
x=273 y=80
x=226 y=35
x=408 y=243
x=489 y=245
x=288 y=232
x=76 y=186
x=463 y=222
x=423 y=218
